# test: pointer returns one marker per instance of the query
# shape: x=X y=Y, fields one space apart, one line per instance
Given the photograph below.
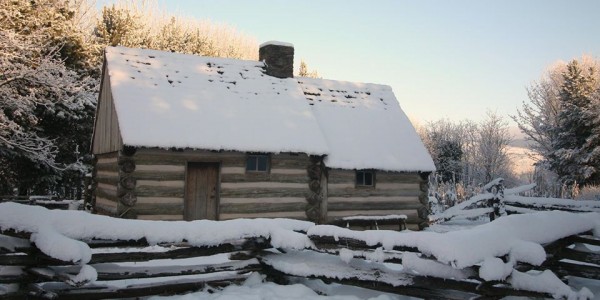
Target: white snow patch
x=375 y=218
x=547 y=282
x=428 y=267
x=493 y=268
x=346 y=255
x=85 y=275
x=519 y=189
x=377 y=256
x=61 y=247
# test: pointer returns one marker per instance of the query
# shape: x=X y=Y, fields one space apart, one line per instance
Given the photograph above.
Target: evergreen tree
x=448 y=160
x=120 y=27
x=445 y=142
x=574 y=155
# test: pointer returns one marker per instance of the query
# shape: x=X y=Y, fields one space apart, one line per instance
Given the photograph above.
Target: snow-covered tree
x=444 y=140
x=144 y=25
x=539 y=119
x=120 y=26
x=467 y=155
x=575 y=155
x=42 y=97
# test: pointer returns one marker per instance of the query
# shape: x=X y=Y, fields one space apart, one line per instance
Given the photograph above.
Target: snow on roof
x=365 y=127
x=276 y=43
x=165 y=99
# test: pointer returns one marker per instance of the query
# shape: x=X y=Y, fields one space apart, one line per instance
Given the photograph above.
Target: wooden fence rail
x=39 y=276
x=579 y=263
x=136 y=268
x=48 y=278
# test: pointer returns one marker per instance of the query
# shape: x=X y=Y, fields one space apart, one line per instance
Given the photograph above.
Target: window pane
x=251 y=163
x=368 y=178
x=360 y=178
x=262 y=163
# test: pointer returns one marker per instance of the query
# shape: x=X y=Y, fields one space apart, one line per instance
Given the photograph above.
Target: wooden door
x=202 y=191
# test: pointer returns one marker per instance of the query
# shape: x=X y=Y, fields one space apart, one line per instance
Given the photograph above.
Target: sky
x=443 y=59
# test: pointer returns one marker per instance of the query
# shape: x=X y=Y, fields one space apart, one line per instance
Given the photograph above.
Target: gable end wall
x=107 y=137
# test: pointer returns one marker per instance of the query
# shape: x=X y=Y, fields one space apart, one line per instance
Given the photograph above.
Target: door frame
x=218 y=196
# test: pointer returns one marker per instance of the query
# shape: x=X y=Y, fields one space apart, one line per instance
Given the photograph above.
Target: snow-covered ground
x=255 y=288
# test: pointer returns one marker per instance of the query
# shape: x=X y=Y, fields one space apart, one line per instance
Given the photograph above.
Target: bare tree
x=467 y=155
x=494 y=139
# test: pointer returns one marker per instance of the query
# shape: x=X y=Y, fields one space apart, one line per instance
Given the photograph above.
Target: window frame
x=363 y=184
x=256 y=156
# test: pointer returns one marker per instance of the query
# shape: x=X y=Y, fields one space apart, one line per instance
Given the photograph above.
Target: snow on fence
x=498 y=200
x=74 y=255
x=47 y=201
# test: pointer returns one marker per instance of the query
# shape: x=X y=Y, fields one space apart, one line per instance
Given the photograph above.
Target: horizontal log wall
x=160 y=184
x=279 y=193
x=106 y=179
x=393 y=193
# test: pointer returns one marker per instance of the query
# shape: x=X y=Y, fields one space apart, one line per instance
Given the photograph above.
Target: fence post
x=496 y=187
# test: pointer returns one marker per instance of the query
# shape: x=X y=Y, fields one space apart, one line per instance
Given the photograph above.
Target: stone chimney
x=279 y=58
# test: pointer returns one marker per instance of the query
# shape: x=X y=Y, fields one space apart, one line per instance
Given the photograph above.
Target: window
x=365 y=178
x=257 y=163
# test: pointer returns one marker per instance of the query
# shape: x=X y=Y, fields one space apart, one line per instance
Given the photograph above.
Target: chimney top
x=278 y=57
x=276 y=43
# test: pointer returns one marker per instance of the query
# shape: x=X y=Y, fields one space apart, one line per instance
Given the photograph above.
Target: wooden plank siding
x=393 y=193
x=160 y=188
x=107 y=136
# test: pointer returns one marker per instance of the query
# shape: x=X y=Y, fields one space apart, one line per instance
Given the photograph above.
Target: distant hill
x=519 y=139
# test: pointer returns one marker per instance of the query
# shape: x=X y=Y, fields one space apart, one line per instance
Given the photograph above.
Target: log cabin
x=185 y=137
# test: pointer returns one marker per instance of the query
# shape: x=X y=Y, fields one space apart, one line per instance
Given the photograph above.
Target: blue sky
x=443 y=59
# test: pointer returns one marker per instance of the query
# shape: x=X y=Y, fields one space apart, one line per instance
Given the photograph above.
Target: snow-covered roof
x=165 y=99
x=365 y=127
